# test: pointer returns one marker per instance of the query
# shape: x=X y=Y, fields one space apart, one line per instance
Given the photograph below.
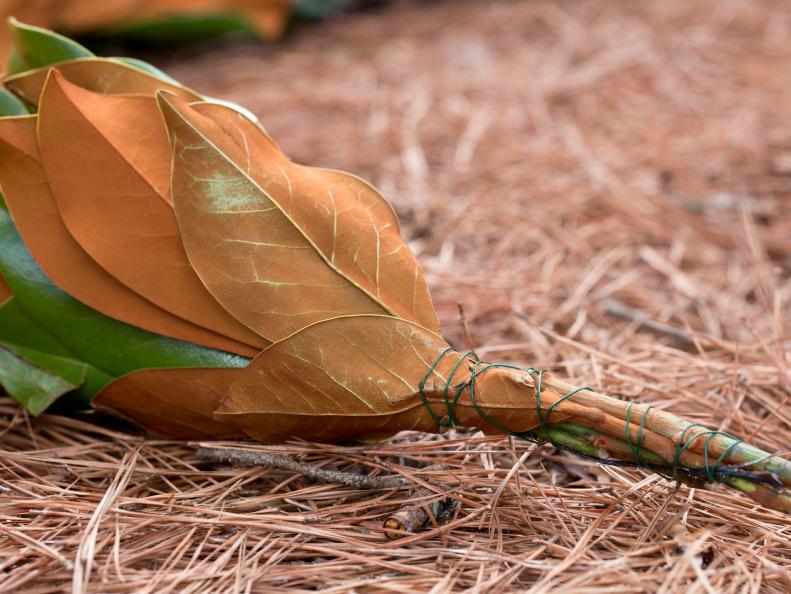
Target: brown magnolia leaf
x=359 y=376
x=99 y=75
x=5 y=291
x=176 y=403
x=281 y=245
x=268 y=17
x=87 y=15
x=241 y=129
x=113 y=198
x=38 y=221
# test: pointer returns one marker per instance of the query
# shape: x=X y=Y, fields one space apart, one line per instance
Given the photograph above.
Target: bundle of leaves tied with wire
x=164 y=259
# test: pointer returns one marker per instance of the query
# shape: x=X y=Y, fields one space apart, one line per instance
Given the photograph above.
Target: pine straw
x=605 y=187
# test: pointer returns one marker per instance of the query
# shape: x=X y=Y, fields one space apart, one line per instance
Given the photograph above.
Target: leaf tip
x=53 y=81
x=164 y=98
x=169 y=104
x=56 y=84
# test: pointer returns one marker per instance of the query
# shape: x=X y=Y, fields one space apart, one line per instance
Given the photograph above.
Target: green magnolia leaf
x=33 y=387
x=29 y=340
x=10 y=105
x=85 y=336
x=19 y=328
x=147 y=68
x=318 y=9
x=180 y=28
x=70 y=370
x=14 y=62
x=35 y=47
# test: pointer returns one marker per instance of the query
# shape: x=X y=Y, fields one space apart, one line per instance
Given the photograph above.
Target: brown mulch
x=606 y=188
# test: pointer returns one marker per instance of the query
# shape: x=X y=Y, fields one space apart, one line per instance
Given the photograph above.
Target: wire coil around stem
x=714 y=471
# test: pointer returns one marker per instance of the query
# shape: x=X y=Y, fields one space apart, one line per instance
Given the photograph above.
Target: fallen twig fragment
x=642 y=320
x=413 y=518
x=280 y=462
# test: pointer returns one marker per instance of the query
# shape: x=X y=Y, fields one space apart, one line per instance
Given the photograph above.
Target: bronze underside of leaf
x=38 y=221
x=345 y=218
x=282 y=246
x=113 y=198
x=359 y=376
x=5 y=291
x=176 y=403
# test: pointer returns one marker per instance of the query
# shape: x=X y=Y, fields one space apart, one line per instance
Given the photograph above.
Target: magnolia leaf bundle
x=164 y=259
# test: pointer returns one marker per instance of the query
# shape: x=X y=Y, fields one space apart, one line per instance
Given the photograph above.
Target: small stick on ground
x=413 y=518
x=642 y=320
x=354 y=480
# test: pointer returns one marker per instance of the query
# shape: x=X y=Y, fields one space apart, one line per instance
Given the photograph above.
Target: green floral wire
x=452 y=421
x=450 y=418
x=471 y=383
x=422 y=386
x=636 y=448
x=682 y=446
x=480 y=367
x=543 y=419
x=451 y=406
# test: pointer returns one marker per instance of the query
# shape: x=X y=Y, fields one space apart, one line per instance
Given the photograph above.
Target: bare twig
x=642 y=320
x=268 y=460
x=465 y=327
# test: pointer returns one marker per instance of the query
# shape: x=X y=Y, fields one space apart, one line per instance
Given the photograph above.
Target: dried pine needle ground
x=605 y=187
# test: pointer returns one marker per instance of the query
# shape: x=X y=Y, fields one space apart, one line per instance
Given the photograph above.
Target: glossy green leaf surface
x=318 y=9
x=147 y=68
x=35 y=47
x=17 y=327
x=70 y=370
x=182 y=28
x=27 y=339
x=32 y=386
x=10 y=105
